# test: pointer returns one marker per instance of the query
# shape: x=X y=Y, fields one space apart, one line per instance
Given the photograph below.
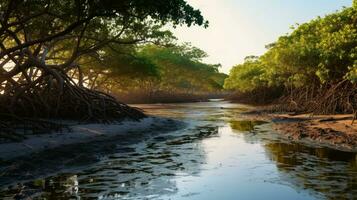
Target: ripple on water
x=217 y=156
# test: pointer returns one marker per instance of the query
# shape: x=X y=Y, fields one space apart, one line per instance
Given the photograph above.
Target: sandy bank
x=82 y=133
x=334 y=131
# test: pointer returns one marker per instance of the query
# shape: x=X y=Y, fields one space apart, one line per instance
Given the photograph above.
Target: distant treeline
x=313 y=69
x=152 y=73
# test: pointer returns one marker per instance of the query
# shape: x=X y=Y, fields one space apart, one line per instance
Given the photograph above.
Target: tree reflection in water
x=328 y=172
x=245 y=125
x=157 y=166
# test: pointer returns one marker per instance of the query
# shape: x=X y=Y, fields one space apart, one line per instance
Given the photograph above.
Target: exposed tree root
x=259 y=96
x=56 y=96
x=334 y=98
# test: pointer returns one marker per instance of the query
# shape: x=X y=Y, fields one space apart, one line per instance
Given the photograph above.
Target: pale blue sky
x=239 y=28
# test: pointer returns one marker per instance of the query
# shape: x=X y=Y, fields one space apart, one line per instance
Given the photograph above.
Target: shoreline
x=332 y=131
x=81 y=134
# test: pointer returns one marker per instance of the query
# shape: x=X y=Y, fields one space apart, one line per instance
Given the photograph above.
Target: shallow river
x=216 y=155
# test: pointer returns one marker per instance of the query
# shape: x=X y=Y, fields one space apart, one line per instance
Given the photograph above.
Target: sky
x=239 y=28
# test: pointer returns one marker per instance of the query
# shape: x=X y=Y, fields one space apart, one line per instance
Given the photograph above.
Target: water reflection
x=217 y=155
x=145 y=171
x=72 y=157
x=213 y=112
x=245 y=125
x=325 y=172
x=329 y=173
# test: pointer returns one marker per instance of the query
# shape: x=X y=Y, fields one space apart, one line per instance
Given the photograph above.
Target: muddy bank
x=81 y=134
x=334 y=131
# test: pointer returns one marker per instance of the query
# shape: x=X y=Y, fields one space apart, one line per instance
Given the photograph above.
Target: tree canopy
x=315 y=56
x=47 y=45
x=152 y=70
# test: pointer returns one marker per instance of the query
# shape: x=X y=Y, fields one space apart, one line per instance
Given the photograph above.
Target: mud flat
x=334 y=131
x=83 y=133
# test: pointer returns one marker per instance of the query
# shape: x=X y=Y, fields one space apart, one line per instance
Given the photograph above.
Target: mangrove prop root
x=333 y=98
x=59 y=97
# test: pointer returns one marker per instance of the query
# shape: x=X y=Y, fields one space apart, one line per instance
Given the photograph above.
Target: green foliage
x=88 y=43
x=150 y=68
x=246 y=77
x=181 y=68
x=61 y=32
x=320 y=51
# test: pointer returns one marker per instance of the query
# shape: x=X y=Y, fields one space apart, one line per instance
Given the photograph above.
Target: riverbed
x=217 y=154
